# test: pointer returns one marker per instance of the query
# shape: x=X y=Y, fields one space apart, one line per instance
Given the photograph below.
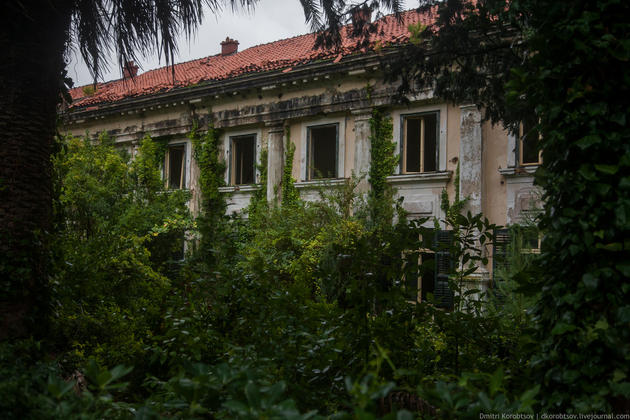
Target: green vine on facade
x=259 y=197
x=383 y=163
x=211 y=177
x=290 y=194
x=384 y=159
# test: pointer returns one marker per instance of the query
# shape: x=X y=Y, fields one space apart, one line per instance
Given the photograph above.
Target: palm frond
x=137 y=28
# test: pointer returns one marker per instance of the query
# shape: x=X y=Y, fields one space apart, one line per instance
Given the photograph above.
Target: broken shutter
x=499 y=257
x=443 y=268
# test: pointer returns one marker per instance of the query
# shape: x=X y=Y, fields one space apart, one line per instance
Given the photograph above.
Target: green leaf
x=119 y=371
x=252 y=394
x=623 y=314
x=496 y=381
x=484 y=401
x=590 y=281
x=404 y=415
x=622 y=389
x=588 y=141
x=587 y=173
x=528 y=397
x=237 y=406
x=58 y=387
x=276 y=390
x=607 y=169
x=602 y=324
x=613 y=246
x=618 y=375
x=562 y=328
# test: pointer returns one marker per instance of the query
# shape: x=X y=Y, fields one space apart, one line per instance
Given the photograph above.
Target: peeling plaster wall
x=452 y=146
x=348 y=166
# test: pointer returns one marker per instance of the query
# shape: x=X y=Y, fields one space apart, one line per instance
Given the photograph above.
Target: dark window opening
x=420 y=140
x=323 y=151
x=412 y=149
x=529 y=143
x=430 y=143
x=243 y=160
x=435 y=266
x=176 y=165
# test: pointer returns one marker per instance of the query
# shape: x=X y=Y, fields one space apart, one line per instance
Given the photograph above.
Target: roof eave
x=349 y=63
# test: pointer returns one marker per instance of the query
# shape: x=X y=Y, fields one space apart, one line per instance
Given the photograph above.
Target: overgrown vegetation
x=563 y=63
x=310 y=309
x=117 y=233
x=303 y=310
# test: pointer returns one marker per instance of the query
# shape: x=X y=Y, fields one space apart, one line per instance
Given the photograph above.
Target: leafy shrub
x=116 y=226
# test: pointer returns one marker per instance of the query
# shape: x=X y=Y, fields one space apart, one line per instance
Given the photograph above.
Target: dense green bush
x=117 y=231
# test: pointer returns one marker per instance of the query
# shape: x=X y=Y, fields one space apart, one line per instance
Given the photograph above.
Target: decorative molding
x=317 y=183
x=519 y=171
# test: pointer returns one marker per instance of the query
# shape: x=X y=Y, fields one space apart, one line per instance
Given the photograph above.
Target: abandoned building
x=323 y=99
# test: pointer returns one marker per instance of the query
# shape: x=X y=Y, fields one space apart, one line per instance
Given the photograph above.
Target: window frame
x=305 y=145
x=398 y=116
x=309 y=151
x=184 y=178
x=403 y=143
x=226 y=150
x=438 y=244
x=232 y=157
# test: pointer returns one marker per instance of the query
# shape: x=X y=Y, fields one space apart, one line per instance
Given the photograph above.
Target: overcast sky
x=272 y=20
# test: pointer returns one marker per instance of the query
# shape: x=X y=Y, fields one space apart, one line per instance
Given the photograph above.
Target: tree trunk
x=33 y=37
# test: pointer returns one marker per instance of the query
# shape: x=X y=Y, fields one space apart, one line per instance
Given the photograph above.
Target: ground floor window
x=435 y=266
x=511 y=243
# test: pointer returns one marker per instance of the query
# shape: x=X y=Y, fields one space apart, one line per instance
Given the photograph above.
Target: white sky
x=270 y=21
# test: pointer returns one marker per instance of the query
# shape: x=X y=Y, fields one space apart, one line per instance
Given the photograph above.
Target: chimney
x=361 y=15
x=229 y=46
x=130 y=70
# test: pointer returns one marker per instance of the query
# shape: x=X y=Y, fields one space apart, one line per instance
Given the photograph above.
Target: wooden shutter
x=499 y=258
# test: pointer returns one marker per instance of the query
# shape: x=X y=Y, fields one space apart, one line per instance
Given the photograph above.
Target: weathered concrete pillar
x=470 y=153
x=362 y=146
x=470 y=177
x=275 y=159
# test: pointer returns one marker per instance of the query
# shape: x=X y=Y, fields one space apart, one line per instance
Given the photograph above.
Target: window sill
x=315 y=183
x=420 y=177
x=240 y=188
x=517 y=171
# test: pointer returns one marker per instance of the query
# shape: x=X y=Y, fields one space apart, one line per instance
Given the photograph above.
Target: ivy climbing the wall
x=383 y=163
x=290 y=194
x=384 y=159
x=213 y=204
x=258 y=201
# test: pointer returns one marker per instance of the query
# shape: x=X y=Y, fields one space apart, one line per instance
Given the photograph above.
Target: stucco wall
x=237 y=113
x=494 y=158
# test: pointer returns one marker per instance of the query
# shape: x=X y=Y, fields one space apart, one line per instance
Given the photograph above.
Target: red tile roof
x=283 y=54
